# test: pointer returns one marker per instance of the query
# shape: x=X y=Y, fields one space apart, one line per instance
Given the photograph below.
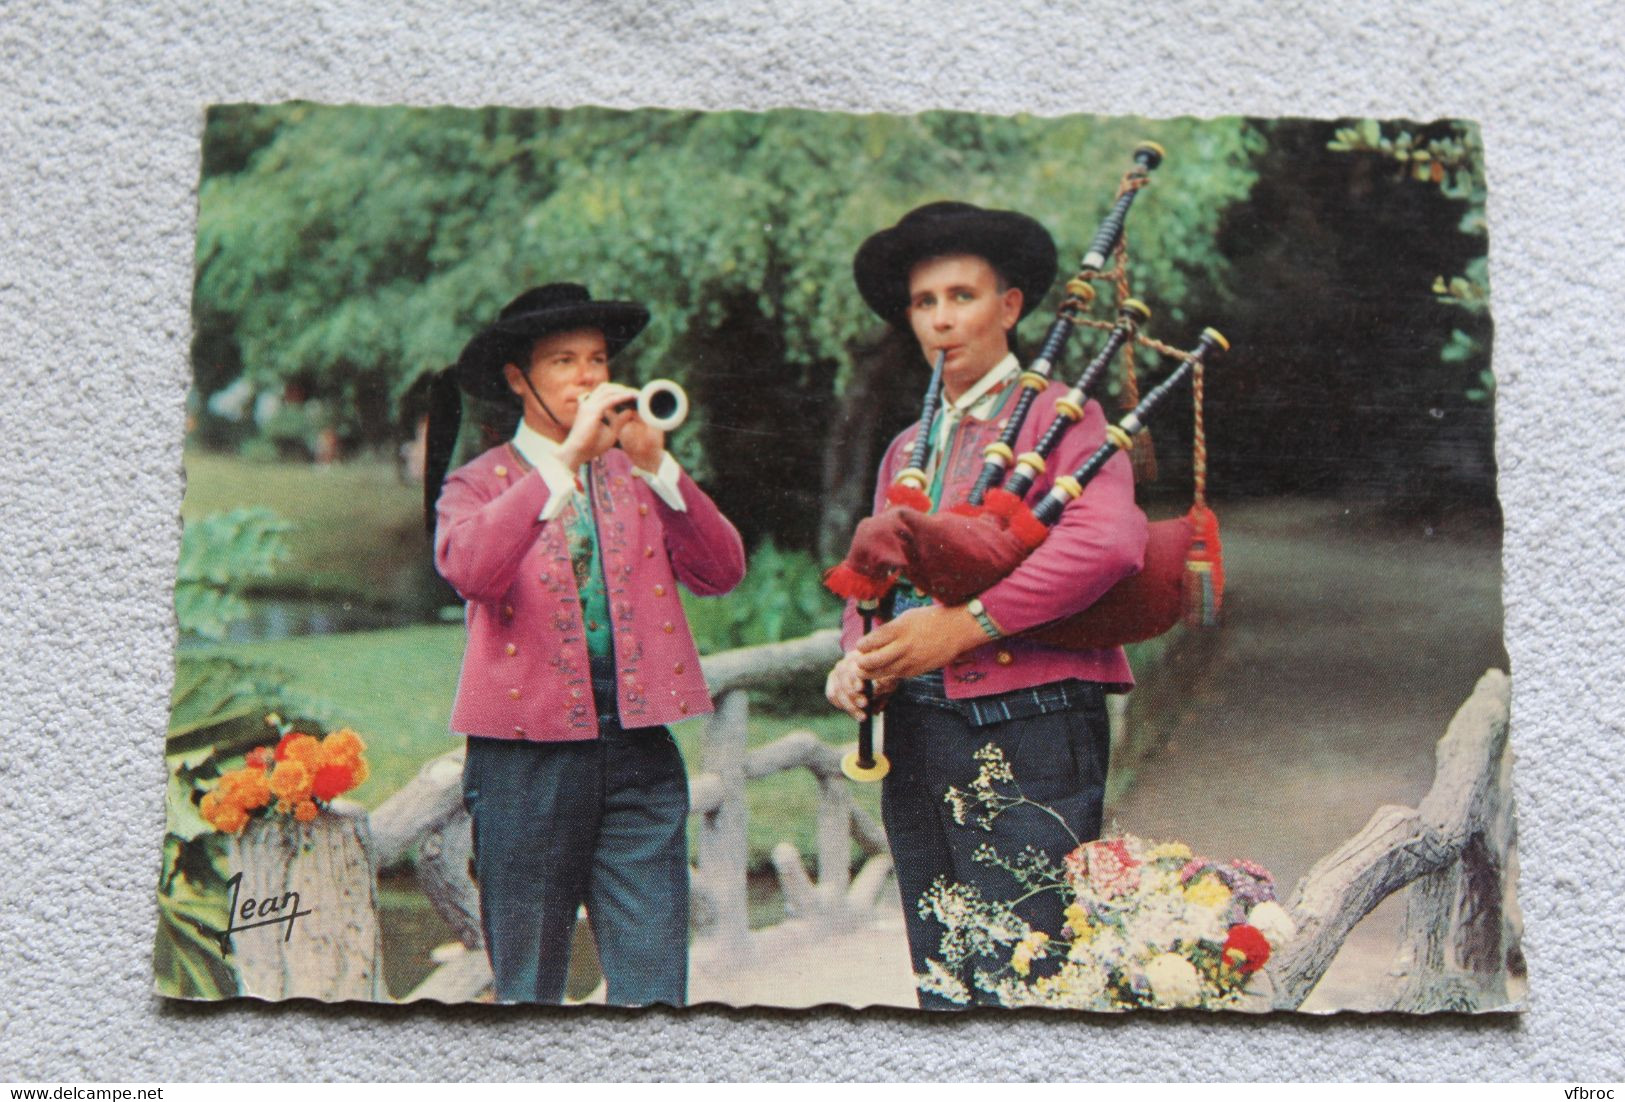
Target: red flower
x=1246 y=948
x=332 y=780
x=258 y=758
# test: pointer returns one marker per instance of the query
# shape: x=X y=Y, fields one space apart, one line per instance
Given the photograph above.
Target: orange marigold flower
x=343 y=747
x=305 y=812
x=254 y=790
x=305 y=750
x=247 y=788
x=291 y=781
x=331 y=780
x=224 y=816
x=299 y=747
x=360 y=771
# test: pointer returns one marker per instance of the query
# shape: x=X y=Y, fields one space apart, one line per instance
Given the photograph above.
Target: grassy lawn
x=358 y=532
x=396 y=687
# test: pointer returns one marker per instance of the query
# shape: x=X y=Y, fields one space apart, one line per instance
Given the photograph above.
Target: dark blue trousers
x=560 y=824
x=1059 y=759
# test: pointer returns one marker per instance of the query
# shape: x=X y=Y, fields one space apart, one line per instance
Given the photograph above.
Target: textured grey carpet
x=100 y=114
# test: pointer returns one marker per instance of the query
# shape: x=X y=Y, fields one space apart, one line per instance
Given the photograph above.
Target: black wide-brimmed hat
x=552 y=308
x=1018 y=247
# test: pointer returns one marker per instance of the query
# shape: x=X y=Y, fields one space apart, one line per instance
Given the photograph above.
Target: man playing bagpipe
x=954 y=679
x=567 y=543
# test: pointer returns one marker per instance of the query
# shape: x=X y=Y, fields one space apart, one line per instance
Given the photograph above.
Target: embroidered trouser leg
x=601 y=822
x=1058 y=759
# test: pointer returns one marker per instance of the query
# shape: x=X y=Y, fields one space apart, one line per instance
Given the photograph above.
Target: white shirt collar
x=1000 y=372
x=975 y=400
x=534 y=446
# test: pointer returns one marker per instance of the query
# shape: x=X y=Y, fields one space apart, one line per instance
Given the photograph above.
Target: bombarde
x=662 y=405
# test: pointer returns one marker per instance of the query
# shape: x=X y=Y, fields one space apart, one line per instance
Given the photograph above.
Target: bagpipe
x=958 y=552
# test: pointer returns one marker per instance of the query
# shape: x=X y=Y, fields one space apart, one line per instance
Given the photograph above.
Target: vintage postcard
x=942 y=561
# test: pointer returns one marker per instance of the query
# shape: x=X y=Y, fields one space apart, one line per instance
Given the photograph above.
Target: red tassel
x=1026 y=527
x=900 y=493
x=1203 y=593
x=966 y=509
x=1001 y=502
x=845 y=582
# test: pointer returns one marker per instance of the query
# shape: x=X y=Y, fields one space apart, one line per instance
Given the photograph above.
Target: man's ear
x=516 y=381
x=1010 y=308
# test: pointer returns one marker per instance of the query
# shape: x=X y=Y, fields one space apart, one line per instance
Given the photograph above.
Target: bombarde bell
x=662 y=405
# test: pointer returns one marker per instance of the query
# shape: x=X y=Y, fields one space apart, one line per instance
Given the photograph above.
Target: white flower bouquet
x=1147 y=925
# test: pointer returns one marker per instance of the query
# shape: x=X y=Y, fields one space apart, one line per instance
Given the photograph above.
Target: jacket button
x=666 y=627
x=1004 y=658
x=513 y=694
x=678 y=669
x=682 y=706
x=507 y=612
x=520 y=731
x=546 y=577
x=510 y=650
x=648 y=552
x=643 y=510
x=502 y=472
x=575 y=694
x=660 y=591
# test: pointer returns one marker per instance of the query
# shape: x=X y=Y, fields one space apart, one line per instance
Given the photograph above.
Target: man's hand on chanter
x=844 y=687
x=918 y=641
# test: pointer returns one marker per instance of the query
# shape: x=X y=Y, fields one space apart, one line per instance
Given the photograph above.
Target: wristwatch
x=983 y=620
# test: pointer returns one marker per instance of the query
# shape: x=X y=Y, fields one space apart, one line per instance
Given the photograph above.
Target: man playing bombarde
x=960 y=278
x=568 y=550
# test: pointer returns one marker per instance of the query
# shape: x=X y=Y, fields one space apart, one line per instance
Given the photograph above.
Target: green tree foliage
x=1455 y=162
x=346 y=250
x=1360 y=362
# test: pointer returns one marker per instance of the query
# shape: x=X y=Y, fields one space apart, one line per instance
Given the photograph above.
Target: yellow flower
x=1027 y=950
x=1077 y=917
x=291 y=781
x=1207 y=891
x=1171 y=851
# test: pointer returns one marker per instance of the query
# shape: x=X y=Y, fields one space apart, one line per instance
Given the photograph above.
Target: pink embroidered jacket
x=1099 y=540
x=525 y=672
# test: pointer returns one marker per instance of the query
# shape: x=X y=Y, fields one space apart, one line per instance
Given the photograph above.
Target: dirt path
x=1348 y=644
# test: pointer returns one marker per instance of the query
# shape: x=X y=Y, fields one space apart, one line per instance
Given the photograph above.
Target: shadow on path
x=1348 y=643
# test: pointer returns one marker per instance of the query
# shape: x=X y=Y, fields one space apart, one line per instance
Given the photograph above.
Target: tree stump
x=304 y=917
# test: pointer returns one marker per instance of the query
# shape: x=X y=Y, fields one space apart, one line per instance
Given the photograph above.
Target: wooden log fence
x=1454 y=855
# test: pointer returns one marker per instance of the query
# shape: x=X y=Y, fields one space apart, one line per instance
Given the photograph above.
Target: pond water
x=288 y=617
